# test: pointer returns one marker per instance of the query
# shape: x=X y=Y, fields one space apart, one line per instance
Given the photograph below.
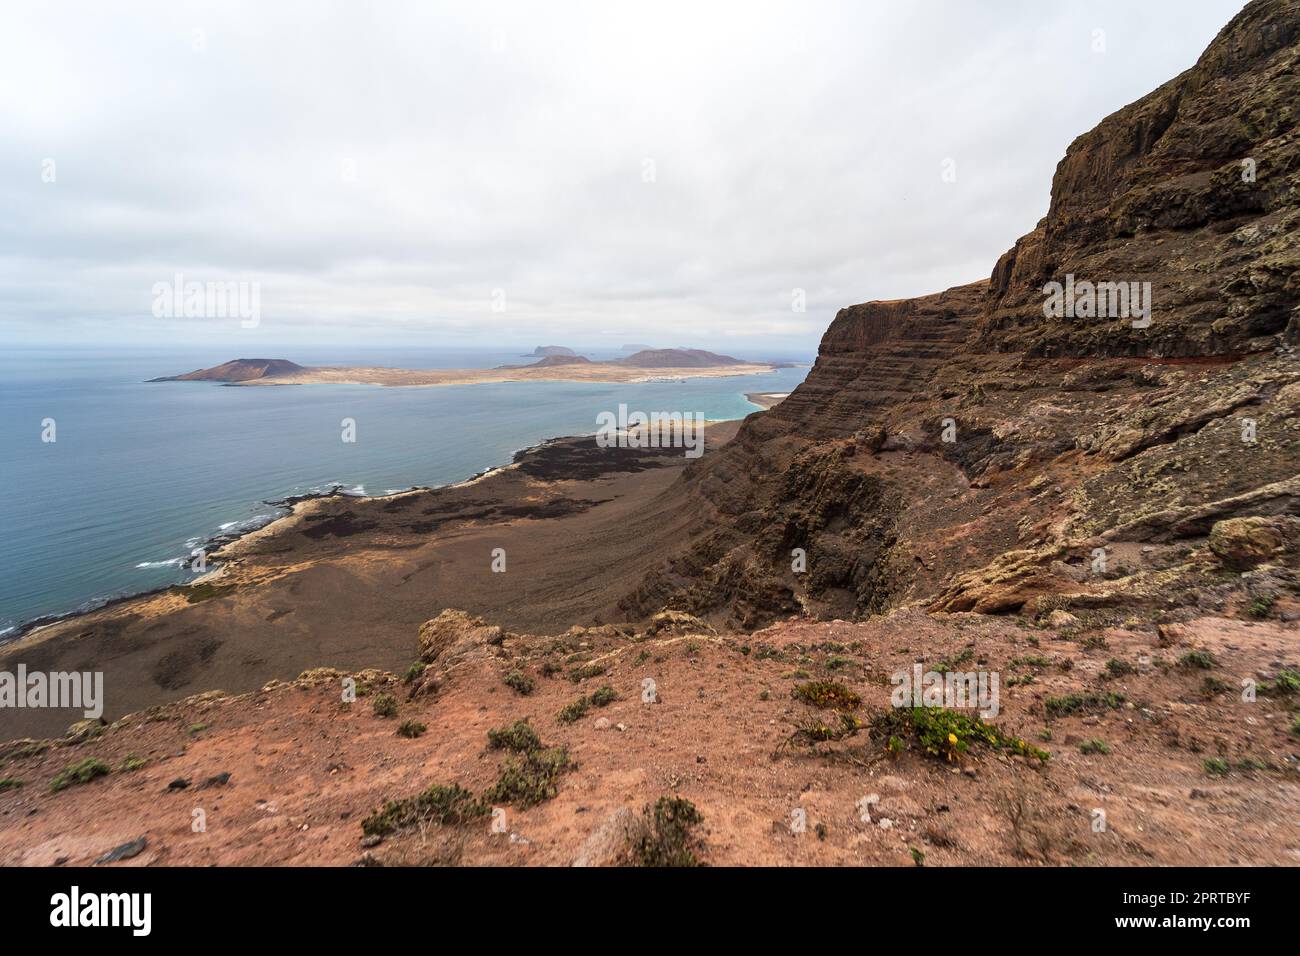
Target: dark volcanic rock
x=1194 y=188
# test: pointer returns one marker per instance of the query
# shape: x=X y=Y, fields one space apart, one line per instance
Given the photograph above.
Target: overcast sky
x=621 y=172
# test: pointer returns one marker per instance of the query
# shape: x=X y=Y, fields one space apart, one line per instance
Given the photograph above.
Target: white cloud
x=503 y=146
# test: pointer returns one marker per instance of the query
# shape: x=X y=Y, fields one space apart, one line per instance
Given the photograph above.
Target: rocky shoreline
x=158 y=644
x=215 y=543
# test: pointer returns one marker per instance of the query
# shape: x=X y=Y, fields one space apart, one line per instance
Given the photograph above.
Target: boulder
x=1060 y=620
x=1245 y=543
x=608 y=843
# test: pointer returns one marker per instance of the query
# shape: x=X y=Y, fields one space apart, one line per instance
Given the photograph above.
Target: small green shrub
x=1214 y=686
x=519 y=737
x=83 y=771
x=955 y=662
x=9 y=783
x=666 y=834
x=1201 y=660
x=414 y=671
x=815 y=730
x=1084 y=703
x=1031 y=660
x=827 y=695
x=132 y=762
x=439 y=805
x=603 y=696
x=579 y=674
x=385 y=705
x=528 y=779
x=1286 y=684
x=1094 y=746
x=1261 y=604
x=411 y=729
x=1118 y=668
x=519 y=682
x=194 y=593
x=1216 y=767
x=947 y=733
x=573 y=711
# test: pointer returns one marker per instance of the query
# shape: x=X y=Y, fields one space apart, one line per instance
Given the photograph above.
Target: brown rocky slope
x=1148 y=760
x=964 y=451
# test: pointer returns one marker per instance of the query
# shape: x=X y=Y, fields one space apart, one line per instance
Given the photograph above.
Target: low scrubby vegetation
x=519 y=682
x=666 y=834
x=519 y=737
x=945 y=733
x=573 y=711
x=411 y=729
x=827 y=695
x=131 y=762
x=1197 y=660
x=526 y=778
x=1082 y=703
x=83 y=771
x=529 y=778
x=438 y=805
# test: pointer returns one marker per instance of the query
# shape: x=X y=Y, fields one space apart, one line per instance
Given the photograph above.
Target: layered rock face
x=1193 y=188
x=966 y=451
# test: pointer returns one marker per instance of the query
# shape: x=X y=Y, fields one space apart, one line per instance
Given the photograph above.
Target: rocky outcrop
x=447 y=641
x=451 y=630
x=1193 y=188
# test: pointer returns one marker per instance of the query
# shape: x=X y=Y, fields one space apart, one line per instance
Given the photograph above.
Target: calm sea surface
x=142 y=473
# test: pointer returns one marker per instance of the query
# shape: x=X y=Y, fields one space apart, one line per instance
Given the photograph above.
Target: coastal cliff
x=1104 y=511
x=967 y=450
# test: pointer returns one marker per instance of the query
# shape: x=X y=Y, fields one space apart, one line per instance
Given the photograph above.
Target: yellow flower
x=952 y=739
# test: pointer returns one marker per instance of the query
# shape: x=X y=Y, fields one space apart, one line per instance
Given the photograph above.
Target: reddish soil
x=306 y=769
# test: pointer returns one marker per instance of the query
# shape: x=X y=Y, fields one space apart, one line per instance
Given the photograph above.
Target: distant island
x=646 y=365
x=545 y=350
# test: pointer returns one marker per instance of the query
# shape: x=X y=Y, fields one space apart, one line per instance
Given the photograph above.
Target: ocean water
x=140 y=474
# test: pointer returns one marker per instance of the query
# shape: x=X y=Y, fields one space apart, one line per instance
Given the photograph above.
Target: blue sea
x=140 y=474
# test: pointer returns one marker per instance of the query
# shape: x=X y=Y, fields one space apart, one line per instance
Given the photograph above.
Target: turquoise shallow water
x=141 y=473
